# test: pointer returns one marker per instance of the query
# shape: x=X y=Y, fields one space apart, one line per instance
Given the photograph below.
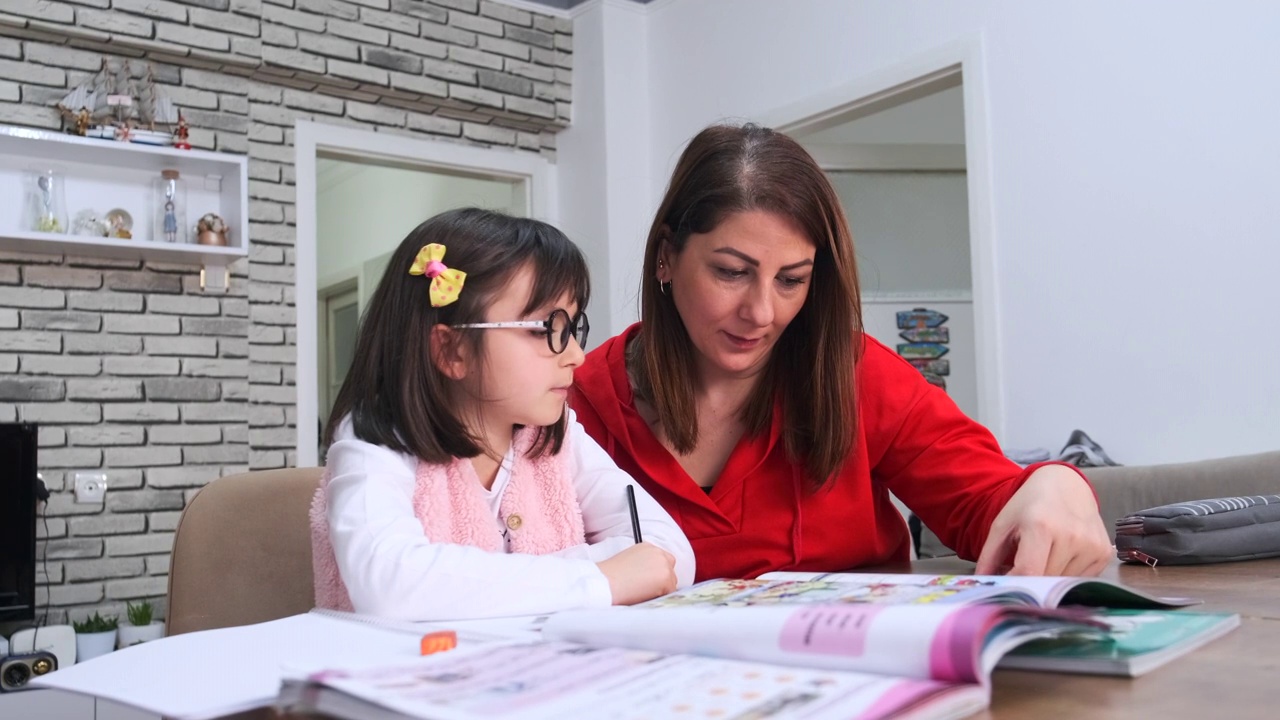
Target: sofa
x=1126 y=489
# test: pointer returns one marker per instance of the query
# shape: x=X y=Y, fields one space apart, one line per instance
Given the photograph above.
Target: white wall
x=363 y=211
x=1133 y=152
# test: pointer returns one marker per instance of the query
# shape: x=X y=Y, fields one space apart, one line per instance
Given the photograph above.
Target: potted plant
x=95 y=636
x=141 y=626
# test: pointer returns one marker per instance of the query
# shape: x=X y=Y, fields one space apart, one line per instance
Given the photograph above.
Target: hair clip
x=446 y=282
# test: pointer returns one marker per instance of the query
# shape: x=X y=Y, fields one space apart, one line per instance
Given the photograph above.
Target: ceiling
x=569 y=4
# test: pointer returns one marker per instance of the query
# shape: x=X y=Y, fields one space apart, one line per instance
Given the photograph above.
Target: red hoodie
x=760 y=515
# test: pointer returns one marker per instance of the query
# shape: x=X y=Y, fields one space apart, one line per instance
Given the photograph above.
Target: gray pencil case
x=1202 y=531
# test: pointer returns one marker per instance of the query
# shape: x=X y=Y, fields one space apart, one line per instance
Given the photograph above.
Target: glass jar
x=46 y=205
x=170 y=200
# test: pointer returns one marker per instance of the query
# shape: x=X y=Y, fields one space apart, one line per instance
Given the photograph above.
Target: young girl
x=458 y=484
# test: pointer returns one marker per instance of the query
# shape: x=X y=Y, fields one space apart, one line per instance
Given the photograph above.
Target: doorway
x=359 y=194
x=923 y=132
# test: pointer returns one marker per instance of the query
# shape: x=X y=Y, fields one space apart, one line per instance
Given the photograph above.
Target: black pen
x=635 y=518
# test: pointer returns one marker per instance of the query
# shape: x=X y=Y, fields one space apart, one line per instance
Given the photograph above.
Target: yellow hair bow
x=446 y=282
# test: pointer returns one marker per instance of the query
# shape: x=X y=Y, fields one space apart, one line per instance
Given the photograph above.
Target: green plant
x=139 y=614
x=96 y=624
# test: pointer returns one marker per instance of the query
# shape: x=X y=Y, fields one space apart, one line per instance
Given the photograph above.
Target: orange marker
x=441 y=641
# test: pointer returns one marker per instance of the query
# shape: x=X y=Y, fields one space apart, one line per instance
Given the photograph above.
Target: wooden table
x=1236 y=676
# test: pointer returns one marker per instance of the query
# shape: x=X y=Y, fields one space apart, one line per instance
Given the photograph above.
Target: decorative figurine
x=87 y=222
x=169 y=223
x=211 y=230
x=120 y=223
x=180 y=134
x=82 y=122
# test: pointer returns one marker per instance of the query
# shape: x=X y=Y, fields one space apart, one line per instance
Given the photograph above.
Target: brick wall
x=127 y=366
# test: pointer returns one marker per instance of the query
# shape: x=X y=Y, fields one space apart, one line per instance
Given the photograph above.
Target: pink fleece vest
x=539 y=508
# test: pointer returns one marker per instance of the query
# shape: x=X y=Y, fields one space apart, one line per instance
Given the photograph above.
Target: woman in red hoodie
x=751 y=405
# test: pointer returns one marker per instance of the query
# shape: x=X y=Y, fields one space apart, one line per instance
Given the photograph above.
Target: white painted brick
x=390 y=21
x=25 y=388
x=163 y=521
x=273 y=354
x=425 y=49
x=9 y=363
x=141 y=324
x=503 y=47
x=266 y=459
x=235 y=390
x=70 y=594
x=84 y=344
x=186 y=346
x=236 y=434
x=192 y=37
x=30 y=341
x=57 y=526
x=213 y=412
x=81 y=458
x=184 y=434
x=225 y=22
x=141 y=366
x=358 y=72
x=110 y=435
x=143 y=456
x=132 y=501
x=215 y=368
x=147 y=587
x=184 y=476
x=260 y=374
x=140 y=412
x=63 y=413
x=223 y=454
x=81 y=570
x=178 y=388
x=276 y=437
x=266 y=335
x=356 y=31
x=60 y=365
x=32 y=298
x=122 y=302
x=234 y=347
x=104 y=389
x=158 y=9
x=506 y=13
x=116 y=23
x=51 y=437
x=488 y=133
x=112 y=524
x=143 y=282
x=265 y=415
x=61 y=320
x=158 y=564
x=62 y=277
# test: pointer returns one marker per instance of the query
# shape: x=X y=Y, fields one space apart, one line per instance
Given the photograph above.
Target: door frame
x=312 y=139
x=961 y=62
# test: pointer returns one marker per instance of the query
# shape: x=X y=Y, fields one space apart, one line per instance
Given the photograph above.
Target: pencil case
x=1202 y=531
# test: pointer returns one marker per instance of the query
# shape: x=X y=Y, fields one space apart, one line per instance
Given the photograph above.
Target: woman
x=751 y=405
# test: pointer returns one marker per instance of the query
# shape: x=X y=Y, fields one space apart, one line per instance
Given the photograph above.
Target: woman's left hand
x=1050 y=526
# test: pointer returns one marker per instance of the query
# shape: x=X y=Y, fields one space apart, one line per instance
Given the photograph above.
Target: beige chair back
x=242 y=552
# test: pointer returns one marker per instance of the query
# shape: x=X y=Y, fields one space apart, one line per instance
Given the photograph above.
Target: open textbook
x=782 y=661
x=875 y=588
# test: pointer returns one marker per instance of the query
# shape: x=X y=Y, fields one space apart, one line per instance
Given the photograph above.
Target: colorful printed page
x=949 y=643
x=1049 y=591
x=1137 y=642
x=801 y=588
x=559 y=680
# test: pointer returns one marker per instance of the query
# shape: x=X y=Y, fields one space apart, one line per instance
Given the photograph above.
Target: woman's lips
x=741 y=342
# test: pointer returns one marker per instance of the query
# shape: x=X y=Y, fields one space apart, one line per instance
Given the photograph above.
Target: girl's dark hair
x=394 y=393
x=729 y=169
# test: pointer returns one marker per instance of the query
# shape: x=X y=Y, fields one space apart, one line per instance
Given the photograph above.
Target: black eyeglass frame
x=577 y=328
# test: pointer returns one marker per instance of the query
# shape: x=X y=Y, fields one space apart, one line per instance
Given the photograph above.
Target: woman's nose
x=757 y=306
x=573 y=355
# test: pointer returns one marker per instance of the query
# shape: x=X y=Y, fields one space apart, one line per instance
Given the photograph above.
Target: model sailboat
x=111 y=105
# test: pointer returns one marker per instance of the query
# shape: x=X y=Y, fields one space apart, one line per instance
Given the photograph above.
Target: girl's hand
x=641 y=572
x=1050 y=526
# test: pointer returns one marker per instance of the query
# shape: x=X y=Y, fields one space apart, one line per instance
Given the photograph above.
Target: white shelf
x=107 y=174
x=61 y=244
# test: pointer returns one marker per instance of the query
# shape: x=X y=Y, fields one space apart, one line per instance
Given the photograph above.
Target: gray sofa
x=1122 y=490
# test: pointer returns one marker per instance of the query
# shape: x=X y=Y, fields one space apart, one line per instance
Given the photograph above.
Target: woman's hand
x=1050 y=526
x=641 y=572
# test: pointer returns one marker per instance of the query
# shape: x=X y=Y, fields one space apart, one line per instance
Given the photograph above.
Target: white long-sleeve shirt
x=391 y=569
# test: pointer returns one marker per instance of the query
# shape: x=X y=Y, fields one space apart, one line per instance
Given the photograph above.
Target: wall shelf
x=106 y=174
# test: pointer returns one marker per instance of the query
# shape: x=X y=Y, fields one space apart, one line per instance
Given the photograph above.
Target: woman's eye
x=793 y=282
x=730 y=273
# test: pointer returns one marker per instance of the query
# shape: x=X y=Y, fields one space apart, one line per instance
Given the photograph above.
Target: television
x=17 y=521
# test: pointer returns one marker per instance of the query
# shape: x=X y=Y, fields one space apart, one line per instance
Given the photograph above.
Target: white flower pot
x=91 y=645
x=134 y=634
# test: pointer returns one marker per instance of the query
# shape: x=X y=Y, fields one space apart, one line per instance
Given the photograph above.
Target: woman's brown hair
x=394 y=394
x=729 y=169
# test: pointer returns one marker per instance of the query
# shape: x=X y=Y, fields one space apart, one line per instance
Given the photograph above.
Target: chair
x=242 y=552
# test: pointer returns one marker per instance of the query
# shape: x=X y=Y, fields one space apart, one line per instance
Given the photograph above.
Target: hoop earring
x=662 y=287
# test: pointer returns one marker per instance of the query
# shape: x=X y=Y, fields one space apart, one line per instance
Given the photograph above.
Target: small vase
x=134 y=634
x=46 y=206
x=91 y=645
x=209 y=237
x=169 y=214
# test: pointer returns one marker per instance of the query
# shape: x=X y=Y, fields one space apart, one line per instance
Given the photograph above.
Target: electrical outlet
x=91 y=487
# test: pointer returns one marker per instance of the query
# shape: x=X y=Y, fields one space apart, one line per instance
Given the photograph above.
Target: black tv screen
x=17 y=521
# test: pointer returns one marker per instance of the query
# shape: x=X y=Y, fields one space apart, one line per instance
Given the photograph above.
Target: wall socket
x=91 y=487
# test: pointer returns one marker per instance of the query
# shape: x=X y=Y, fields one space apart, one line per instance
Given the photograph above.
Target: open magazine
x=788 y=588
x=806 y=661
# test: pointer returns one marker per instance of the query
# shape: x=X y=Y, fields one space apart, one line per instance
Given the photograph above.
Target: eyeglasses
x=559 y=328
